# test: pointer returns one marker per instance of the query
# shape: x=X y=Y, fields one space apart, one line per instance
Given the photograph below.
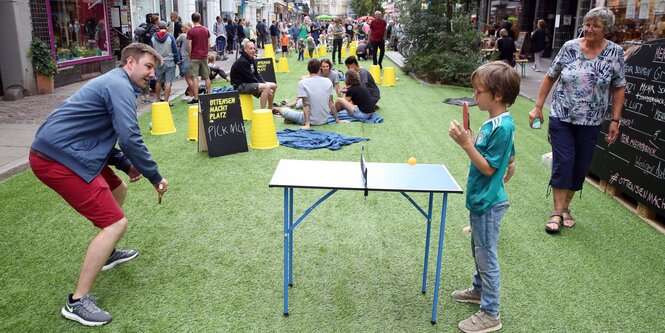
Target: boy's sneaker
x=193 y=101
x=86 y=312
x=480 y=322
x=468 y=295
x=118 y=257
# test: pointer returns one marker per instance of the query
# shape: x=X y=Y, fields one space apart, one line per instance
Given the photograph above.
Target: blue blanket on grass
x=312 y=139
x=344 y=115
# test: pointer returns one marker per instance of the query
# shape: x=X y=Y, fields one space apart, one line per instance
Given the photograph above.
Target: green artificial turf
x=211 y=254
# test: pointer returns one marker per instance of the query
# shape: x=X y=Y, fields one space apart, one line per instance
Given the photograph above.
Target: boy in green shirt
x=492 y=154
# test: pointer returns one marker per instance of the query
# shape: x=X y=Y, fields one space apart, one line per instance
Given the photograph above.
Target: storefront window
x=79 y=29
x=637 y=21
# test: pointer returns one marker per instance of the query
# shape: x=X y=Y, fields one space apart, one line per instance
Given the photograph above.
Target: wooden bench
x=522 y=63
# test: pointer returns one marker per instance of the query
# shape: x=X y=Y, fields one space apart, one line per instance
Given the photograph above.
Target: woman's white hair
x=603 y=14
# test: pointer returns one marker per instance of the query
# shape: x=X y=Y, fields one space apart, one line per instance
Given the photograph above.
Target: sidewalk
x=19 y=120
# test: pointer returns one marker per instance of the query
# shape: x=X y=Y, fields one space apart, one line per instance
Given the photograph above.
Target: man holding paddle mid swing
x=71 y=155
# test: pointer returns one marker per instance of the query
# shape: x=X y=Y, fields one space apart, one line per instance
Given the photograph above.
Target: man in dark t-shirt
x=349 y=32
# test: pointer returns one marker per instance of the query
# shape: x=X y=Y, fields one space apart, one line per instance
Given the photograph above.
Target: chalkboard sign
x=520 y=41
x=635 y=162
x=222 y=124
x=266 y=68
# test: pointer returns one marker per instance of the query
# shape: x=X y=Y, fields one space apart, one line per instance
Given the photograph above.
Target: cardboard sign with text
x=266 y=68
x=221 y=128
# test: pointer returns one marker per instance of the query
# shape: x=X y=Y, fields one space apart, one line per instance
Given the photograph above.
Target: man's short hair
x=196 y=17
x=499 y=78
x=138 y=50
x=351 y=60
x=313 y=66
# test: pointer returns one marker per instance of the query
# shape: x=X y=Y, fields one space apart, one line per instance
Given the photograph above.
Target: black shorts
x=249 y=88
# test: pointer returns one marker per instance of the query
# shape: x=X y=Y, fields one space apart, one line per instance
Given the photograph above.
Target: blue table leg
x=429 y=227
x=286 y=248
x=291 y=237
x=438 y=258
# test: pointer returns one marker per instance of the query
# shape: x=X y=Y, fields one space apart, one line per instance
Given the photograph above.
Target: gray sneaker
x=118 y=257
x=468 y=295
x=480 y=322
x=86 y=312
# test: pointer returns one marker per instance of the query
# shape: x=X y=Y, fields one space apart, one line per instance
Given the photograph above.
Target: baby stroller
x=220 y=46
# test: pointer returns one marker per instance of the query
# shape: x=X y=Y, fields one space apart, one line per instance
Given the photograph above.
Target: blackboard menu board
x=520 y=40
x=635 y=162
x=222 y=124
x=266 y=68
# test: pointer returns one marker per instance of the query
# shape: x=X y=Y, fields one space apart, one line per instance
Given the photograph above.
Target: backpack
x=142 y=33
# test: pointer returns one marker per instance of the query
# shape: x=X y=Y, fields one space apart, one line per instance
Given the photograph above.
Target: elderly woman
x=589 y=69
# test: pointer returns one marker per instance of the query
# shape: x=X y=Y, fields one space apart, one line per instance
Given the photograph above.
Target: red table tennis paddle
x=465 y=115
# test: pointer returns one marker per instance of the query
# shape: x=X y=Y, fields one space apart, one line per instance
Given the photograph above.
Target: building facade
x=637 y=21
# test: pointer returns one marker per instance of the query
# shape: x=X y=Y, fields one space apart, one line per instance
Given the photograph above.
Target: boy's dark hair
x=196 y=17
x=500 y=79
x=351 y=60
x=313 y=66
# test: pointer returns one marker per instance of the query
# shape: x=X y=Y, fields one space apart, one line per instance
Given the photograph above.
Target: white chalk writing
x=649 y=196
x=637 y=144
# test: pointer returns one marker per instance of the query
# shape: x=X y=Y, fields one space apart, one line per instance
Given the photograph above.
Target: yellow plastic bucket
x=263 y=133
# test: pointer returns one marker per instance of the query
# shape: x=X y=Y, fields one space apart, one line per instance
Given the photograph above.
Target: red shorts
x=93 y=200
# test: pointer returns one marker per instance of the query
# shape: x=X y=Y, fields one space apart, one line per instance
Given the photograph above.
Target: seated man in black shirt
x=246 y=79
x=358 y=101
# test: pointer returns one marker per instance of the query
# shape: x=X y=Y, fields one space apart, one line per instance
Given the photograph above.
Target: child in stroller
x=220 y=46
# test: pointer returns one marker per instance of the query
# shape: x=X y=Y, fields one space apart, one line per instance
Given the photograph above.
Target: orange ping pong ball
x=412 y=161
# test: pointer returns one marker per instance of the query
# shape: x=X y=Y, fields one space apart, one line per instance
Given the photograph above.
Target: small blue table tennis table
x=390 y=177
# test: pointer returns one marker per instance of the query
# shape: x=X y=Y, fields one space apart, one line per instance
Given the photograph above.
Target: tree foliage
x=365 y=7
x=446 y=40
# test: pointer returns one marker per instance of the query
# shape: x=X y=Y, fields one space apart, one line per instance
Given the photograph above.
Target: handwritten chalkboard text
x=650 y=197
x=637 y=144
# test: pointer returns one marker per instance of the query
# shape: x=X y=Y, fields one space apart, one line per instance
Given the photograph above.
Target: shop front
x=636 y=21
x=80 y=38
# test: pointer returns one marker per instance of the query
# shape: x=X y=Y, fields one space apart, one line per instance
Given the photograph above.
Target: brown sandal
x=570 y=219
x=553 y=220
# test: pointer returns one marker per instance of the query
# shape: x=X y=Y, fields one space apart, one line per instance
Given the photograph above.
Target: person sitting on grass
x=365 y=78
x=215 y=70
x=327 y=72
x=492 y=154
x=317 y=96
x=357 y=101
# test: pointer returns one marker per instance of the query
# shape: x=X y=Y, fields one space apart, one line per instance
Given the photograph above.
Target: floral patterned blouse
x=582 y=94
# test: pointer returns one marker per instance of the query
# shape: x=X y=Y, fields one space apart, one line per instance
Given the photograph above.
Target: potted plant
x=43 y=65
